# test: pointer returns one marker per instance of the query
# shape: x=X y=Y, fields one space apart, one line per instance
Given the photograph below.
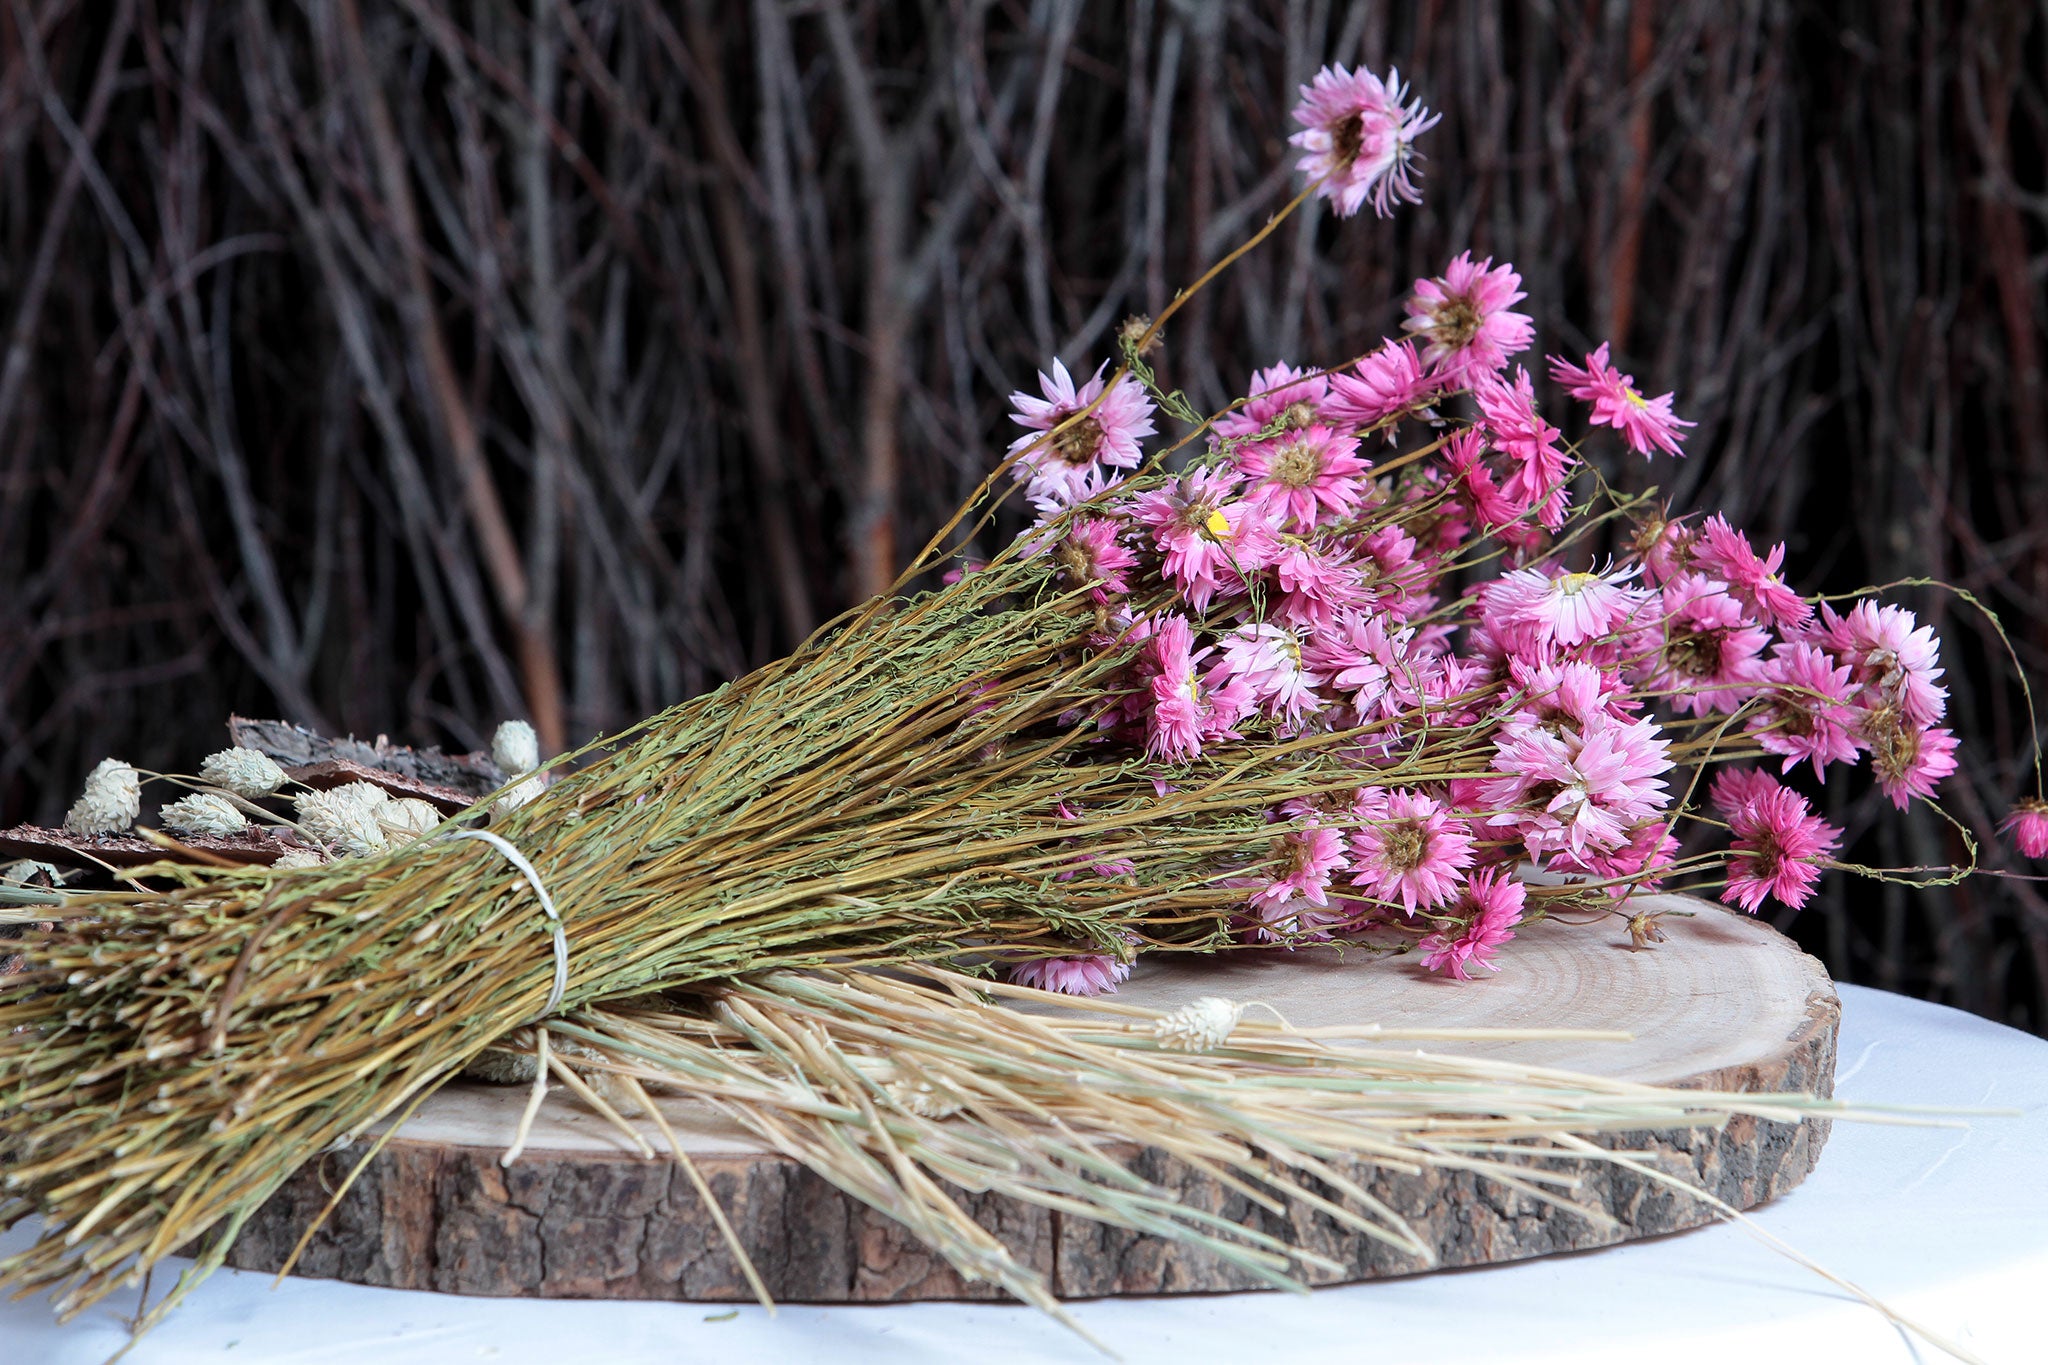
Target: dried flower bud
x=517 y=797
x=494 y=1066
x=1201 y=1025
x=111 y=800
x=919 y=1098
x=245 y=772
x=515 y=748
x=367 y=795
x=406 y=819
x=341 y=820
x=202 y=813
x=298 y=857
x=1132 y=330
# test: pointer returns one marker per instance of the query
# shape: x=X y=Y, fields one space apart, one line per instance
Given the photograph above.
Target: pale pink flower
x=1301 y=474
x=1280 y=396
x=1208 y=541
x=1267 y=659
x=1647 y=424
x=1389 y=382
x=1302 y=861
x=1536 y=481
x=1565 y=609
x=1895 y=661
x=1568 y=693
x=1363 y=659
x=1463 y=320
x=1059 y=468
x=1492 y=906
x=1809 y=715
x=2028 y=826
x=1577 y=791
x=1779 y=846
x=1409 y=848
x=1079 y=974
x=1358 y=139
x=1726 y=554
x=1316 y=582
x=1710 y=656
x=1650 y=849
x=1090 y=553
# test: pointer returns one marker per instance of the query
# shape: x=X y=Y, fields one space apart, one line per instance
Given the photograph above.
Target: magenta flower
x=1281 y=395
x=1810 y=715
x=1463 y=320
x=1389 y=382
x=1709 y=660
x=1079 y=974
x=1409 y=848
x=1895 y=661
x=1780 y=844
x=1298 y=476
x=1209 y=542
x=1316 y=582
x=1514 y=428
x=1304 y=858
x=1725 y=553
x=2028 y=826
x=1188 y=710
x=1090 y=553
x=1909 y=759
x=1361 y=658
x=1493 y=903
x=1577 y=791
x=1645 y=423
x=1058 y=469
x=1358 y=139
x=1565 y=609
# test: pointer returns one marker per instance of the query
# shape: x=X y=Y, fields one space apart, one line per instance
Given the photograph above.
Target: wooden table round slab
x=1725 y=1003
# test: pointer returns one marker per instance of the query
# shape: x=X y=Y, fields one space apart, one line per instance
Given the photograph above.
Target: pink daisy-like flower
x=1209 y=543
x=1079 y=974
x=1280 y=396
x=1778 y=849
x=1299 y=475
x=1266 y=658
x=1566 y=609
x=1909 y=759
x=1514 y=428
x=1568 y=693
x=1895 y=661
x=1409 y=848
x=1358 y=139
x=1316 y=582
x=1710 y=656
x=1464 y=456
x=1188 y=710
x=1664 y=547
x=1725 y=553
x=1058 y=468
x=2028 y=826
x=1650 y=849
x=1493 y=903
x=1363 y=659
x=1647 y=424
x=1398 y=579
x=1390 y=381
x=1464 y=322
x=1809 y=715
x=1090 y=554
x=1303 y=859
x=1577 y=791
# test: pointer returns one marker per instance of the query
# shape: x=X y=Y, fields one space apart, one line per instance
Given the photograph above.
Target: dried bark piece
x=294 y=746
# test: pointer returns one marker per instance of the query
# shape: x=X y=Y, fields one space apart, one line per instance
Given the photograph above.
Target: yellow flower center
x=1572 y=584
x=1635 y=397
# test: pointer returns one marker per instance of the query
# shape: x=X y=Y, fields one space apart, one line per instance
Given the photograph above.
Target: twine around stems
x=547 y=903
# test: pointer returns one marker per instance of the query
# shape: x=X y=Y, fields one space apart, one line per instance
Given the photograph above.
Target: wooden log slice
x=1725 y=1003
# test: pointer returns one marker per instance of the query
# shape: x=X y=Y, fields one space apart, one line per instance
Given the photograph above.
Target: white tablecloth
x=1948 y=1226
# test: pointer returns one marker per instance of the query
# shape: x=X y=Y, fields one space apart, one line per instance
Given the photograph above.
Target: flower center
x=1572 y=584
x=1402 y=845
x=1634 y=397
x=1894 y=745
x=1297 y=465
x=1697 y=655
x=1347 y=140
x=1454 y=322
x=1078 y=444
x=1295 y=416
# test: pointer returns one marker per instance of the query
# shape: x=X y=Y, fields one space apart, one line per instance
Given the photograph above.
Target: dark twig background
x=401 y=365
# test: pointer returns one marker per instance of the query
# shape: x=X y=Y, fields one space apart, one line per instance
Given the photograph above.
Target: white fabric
x=1948 y=1226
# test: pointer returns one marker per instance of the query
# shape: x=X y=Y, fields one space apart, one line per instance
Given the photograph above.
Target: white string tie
x=547 y=903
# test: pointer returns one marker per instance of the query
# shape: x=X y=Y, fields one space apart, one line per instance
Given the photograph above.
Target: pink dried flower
x=1209 y=542
x=1079 y=974
x=1059 y=469
x=1565 y=609
x=1304 y=859
x=1358 y=139
x=1577 y=791
x=1362 y=658
x=1493 y=902
x=1409 y=848
x=1779 y=845
x=1709 y=660
x=1664 y=547
x=1266 y=658
x=1809 y=715
x=1316 y=582
x=1536 y=482
x=1645 y=423
x=1909 y=759
x=1726 y=554
x=1390 y=381
x=1299 y=475
x=1090 y=553
x=1895 y=662
x=2028 y=826
x=1463 y=319
x=1281 y=395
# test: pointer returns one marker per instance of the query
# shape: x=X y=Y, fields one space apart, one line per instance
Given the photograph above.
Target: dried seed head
x=111 y=800
x=919 y=1098
x=517 y=797
x=515 y=748
x=1200 y=1025
x=341 y=820
x=493 y=1066
x=245 y=772
x=406 y=819
x=202 y=813
x=367 y=795
x=29 y=872
x=298 y=857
